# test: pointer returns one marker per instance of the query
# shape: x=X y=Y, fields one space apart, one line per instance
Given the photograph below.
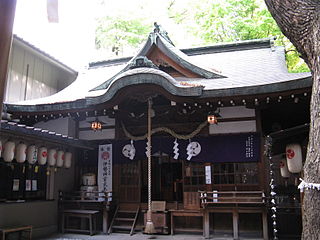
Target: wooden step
x=127 y=211
x=124 y=219
x=122 y=227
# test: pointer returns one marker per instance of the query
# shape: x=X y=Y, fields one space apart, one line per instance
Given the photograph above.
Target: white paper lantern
x=294 y=158
x=284 y=171
x=8 y=151
x=42 y=155
x=52 y=157
x=67 y=159
x=60 y=158
x=32 y=152
x=21 y=153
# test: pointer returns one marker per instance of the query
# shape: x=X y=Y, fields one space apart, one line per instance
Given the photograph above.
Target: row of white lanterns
x=21 y=152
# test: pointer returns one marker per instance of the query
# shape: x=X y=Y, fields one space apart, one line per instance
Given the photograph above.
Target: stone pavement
x=137 y=236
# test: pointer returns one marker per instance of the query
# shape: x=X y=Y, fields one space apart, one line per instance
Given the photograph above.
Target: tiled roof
x=50 y=136
x=255 y=68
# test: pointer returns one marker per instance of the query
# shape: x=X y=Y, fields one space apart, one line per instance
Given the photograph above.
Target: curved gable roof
x=156 y=39
x=251 y=67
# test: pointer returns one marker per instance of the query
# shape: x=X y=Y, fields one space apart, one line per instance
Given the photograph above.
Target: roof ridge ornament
x=161 y=31
x=142 y=61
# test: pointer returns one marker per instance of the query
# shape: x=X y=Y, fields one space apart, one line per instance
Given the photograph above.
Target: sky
x=71 y=40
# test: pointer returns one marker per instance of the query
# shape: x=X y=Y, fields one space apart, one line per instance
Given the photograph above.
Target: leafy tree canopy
x=120 y=33
x=232 y=20
x=206 y=20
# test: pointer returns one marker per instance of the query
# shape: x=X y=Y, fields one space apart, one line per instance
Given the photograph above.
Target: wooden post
x=7 y=11
x=235 y=217
x=265 y=224
x=206 y=224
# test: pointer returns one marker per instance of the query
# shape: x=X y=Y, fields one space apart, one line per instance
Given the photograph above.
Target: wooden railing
x=231 y=197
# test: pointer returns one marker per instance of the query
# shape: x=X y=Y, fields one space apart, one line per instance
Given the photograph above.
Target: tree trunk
x=299 y=20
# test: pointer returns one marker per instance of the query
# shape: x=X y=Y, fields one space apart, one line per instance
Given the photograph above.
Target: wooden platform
x=185 y=213
x=234 y=202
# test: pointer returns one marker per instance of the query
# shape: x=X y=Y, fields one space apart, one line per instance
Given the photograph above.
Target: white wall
x=238 y=126
x=65 y=126
x=30 y=76
x=86 y=133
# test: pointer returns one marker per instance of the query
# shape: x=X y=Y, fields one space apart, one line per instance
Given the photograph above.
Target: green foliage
x=233 y=20
x=117 y=33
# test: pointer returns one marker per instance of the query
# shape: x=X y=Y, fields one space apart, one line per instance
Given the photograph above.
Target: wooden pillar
x=105 y=223
x=235 y=220
x=265 y=224
x=7 y=11
x=206 y=224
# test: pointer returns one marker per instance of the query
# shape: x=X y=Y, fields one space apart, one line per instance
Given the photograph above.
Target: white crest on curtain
x=129 y=151
x=193 y=149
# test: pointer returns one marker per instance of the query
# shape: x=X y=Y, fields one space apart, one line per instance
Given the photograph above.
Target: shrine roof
x=224 y=70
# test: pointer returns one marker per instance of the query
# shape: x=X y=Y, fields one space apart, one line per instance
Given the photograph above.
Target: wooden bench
x=82 y=214
x=20 y=229
x=234 y=202
x=84 y=205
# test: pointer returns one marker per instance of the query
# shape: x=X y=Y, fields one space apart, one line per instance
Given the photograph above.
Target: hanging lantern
x=284 y=171
x=8 y=151
x=67 y=159
x=52 y=157
x=42 y=155
x=21 y=153
x=294 y=157
x=96 y=125
x=32 y=152
x=213 y=116
x=60 y=158
x=212 y=119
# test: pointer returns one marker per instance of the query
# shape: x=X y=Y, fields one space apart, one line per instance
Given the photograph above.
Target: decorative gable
x=168 y=65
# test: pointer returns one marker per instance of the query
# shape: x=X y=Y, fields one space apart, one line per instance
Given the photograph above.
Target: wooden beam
x=7 y=12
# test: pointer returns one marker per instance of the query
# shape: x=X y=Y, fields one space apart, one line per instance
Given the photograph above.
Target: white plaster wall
x=98 y=135
x=237 y=112
x=233 y=127
x=44 y=78
x=239 y=126
x=60 y=125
